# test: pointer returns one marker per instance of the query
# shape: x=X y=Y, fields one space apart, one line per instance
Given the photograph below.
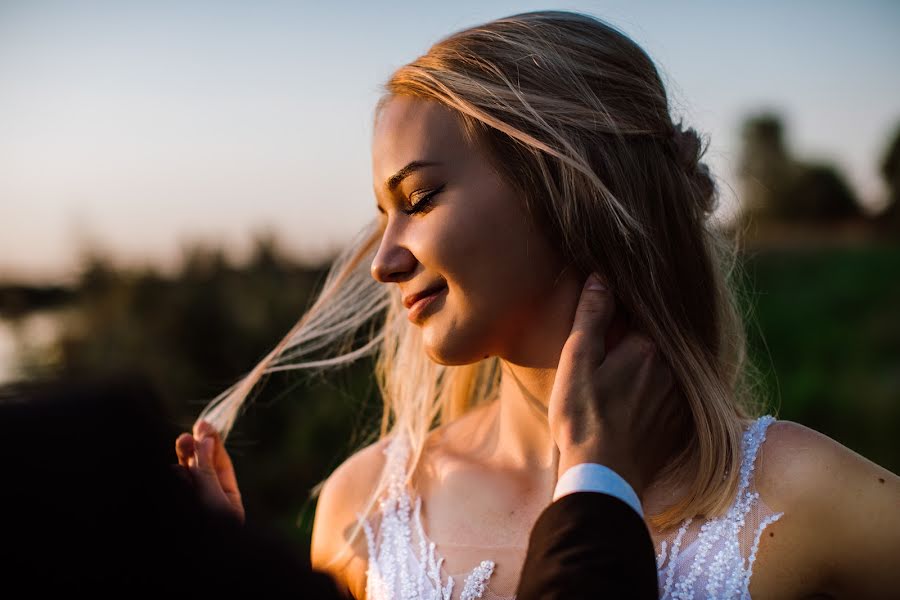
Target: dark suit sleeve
x=589 y=545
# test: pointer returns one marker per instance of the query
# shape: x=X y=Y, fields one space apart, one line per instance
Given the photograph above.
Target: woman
x=510 y=161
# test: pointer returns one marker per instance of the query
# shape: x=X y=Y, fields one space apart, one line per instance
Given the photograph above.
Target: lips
x=413 y=298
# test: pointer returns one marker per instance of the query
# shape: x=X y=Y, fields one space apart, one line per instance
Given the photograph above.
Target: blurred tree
x=890 y=171
x=779 y=187
x=817 y=192
x=764 y=164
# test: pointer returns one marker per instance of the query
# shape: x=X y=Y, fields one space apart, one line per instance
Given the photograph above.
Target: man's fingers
x=204 y=471
x=627 y=357
x=203 y=428
x=595 y=311
x=223 y=466
x=184 y=449
x=220 y=460
x=215 y=469
x=205 y=455
x=205 y=477
x=634 y=359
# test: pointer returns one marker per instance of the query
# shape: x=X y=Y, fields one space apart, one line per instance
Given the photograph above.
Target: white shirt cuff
x=593 y=477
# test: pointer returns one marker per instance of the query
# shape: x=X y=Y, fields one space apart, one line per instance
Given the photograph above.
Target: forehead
x=409 y=129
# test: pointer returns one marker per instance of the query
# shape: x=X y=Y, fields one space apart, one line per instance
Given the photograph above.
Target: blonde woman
x=510 y=161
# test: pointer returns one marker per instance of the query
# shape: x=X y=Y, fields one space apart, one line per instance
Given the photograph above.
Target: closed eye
x=424 y=202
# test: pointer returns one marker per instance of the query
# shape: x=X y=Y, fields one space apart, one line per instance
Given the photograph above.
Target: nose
x=393 y=261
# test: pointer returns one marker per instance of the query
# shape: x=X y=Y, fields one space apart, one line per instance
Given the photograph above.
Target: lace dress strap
x=754 y=436
x=714 y=558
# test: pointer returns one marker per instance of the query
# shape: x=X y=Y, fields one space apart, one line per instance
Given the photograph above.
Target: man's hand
x=204 y=458
x=616 y=406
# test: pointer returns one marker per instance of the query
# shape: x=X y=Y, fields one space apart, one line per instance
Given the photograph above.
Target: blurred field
x=824 y=330
x=827 y=337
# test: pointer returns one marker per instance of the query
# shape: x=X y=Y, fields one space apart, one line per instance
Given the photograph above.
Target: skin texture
x=485 y=477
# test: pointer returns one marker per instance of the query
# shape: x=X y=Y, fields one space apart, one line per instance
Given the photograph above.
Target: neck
x=523 y=432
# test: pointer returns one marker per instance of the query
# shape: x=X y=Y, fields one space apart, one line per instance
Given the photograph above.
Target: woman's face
x=472 y=236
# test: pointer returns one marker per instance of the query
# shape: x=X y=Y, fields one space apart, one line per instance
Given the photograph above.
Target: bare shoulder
x=840 y=522
x=789 y=460
x=343 y=496
x=797 y=465
x=350 y=485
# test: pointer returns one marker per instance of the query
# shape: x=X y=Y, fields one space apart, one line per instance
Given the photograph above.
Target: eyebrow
x=406 y=171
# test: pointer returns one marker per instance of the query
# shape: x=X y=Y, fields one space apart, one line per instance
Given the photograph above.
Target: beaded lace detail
x=718 y=560
x=702 y=559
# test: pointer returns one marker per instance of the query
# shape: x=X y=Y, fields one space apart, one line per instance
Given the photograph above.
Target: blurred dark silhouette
x=778 y=186
x=890 y=171
x=91 y=501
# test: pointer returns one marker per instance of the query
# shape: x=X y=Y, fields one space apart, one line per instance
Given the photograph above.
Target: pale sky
x=142 y=125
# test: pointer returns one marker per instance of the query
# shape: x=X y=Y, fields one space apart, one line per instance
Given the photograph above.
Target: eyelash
x=424 y=203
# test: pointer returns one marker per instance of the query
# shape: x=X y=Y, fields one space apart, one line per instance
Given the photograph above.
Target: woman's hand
x=204 y=458
x=612 y=405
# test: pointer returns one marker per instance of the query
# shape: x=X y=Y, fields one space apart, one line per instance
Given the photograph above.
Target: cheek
x=510 y=258
x=476 y=256
x=492 y=264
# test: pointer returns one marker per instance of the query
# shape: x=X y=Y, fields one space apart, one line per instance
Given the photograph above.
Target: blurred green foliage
x=825 y=330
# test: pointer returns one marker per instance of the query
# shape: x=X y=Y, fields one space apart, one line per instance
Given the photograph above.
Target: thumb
x=595 y=311
x=205 y=465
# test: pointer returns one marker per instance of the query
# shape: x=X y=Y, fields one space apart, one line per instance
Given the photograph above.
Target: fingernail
x=594 y=283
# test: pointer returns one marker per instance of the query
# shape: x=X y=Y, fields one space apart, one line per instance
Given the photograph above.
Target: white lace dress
x=700 y=559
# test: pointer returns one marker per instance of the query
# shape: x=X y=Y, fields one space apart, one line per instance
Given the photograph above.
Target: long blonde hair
x=575 y=116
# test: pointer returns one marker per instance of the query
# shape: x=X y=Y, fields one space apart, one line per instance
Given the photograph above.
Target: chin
x=451 y=350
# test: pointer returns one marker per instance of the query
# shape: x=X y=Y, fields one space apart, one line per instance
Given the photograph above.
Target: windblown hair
x=574 y=115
